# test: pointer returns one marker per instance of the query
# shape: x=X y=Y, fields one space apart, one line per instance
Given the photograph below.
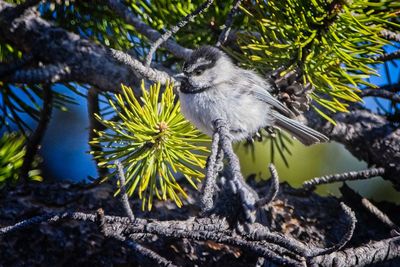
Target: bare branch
x=121 y=10
x=223 y=37
x=137 y=66
x=351 y=217
x=374 y=252
x=359 y=202
x=237 y=184
x=150 y=254
x=88 y=62
x=46 y=74
x=388 y=56
x=34 y=141
x=50 y=218
x=18 y=10
x=258 y=232
x=341 y=177
x=379 y=214
x=9 y=68
x=124 y=196
x=202 y=8
x=382 y=93
x=393 y=36
x=94 y=125
x=208 y=189
x=273 y=190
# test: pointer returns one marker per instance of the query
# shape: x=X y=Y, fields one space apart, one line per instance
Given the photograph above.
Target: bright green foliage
x=93 y=21
x=331 y=42
x=97 y=22
x=154 y=143
x=12 y=152
x=163 y=14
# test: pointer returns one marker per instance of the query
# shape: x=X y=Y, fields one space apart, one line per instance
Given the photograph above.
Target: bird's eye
x=198 y=72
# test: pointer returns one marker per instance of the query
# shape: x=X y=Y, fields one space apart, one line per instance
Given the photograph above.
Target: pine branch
x=351 y=218
x=223 y=37
x=163 y=38
x=388 y=56
x=209 y=184
x=393 y=36
x=382 y=93
x=122 y=11
x=372 y=253
x=46 y=74
x=94 y=125
x=34 y=141
x=273 y=190
x=359 y=202
x=236 y=181
x=342 y=177
x=374 y=210
x=9 y=68
x=148 y=256
x=124 y=196
x=137 y=66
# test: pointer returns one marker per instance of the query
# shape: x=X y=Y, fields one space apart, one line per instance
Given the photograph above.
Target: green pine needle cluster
x=12 y=152
x=332 y=43
x=154 y=143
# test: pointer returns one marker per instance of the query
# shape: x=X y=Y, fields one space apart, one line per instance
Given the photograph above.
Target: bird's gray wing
x=303 y=133
x=263 y=95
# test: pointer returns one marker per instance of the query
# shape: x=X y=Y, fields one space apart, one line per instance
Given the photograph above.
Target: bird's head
x=207 y=67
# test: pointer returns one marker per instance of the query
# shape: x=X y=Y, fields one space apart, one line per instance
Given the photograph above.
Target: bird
x=212 y=87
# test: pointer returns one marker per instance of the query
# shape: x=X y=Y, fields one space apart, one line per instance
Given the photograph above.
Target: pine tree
x=320 y=55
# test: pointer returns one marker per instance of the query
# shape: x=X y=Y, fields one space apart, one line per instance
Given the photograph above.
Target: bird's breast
x=243 y=113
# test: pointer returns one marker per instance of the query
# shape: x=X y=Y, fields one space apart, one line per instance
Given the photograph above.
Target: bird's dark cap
x=207 y=52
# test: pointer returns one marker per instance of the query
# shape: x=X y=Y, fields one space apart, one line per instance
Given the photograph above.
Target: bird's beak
x=179 y=76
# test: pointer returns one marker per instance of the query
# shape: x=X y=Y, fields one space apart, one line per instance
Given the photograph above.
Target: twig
x=273 y=189
x=351 y=217
x=228 y=23
x=116 y=232
x=208 y=189
x=203 y=7
x=50 y=217
x=390 y=35
x=388 y=56
x=124 y=196
x=136 y=65
x=374 y=210
x=95 y=125
x=149 y=254
x=347 y=176
x=179 y=231
x=123 y=11
x=258 y=232
x=238 y=185
x=18 y=10
x=362 y=203
x=395 y=97
x=33 y=143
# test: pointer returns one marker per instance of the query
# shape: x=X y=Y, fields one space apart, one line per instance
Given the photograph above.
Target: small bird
x=213 y=87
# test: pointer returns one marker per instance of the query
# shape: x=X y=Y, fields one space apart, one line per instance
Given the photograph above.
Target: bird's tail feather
x=303 y=133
